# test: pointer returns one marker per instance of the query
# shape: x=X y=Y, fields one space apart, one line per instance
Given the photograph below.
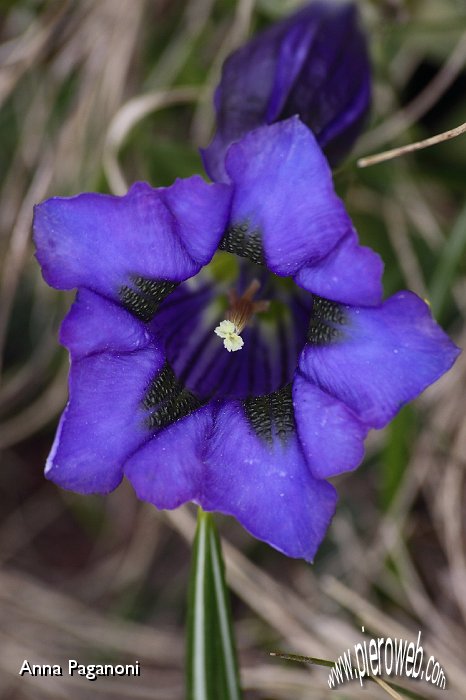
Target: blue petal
x=101 y=242
x=350 y=273
x=215 y=458
x=267 y=487
x=284 y=191
x=313 y=64
x=95 y=324
x=332 y=95
x=291 y=52
x=243 y=95
x=104 y=421
x=381 y=358
x=331 y=435
x=169 y=469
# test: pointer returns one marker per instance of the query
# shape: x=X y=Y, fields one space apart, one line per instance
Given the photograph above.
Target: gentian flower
x=313 y=64
x=254 y=429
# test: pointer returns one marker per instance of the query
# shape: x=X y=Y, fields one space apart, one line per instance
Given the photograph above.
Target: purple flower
x=253 y=426
x=313 y=64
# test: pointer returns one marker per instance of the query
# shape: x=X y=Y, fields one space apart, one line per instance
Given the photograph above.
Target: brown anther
x=243 y=308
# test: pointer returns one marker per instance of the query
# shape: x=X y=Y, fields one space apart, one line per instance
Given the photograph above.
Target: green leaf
x=226 y=640
x=212 y=670
x=201 y=651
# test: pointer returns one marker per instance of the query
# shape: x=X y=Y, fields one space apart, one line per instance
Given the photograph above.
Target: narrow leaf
x=225 y=629
x=212 y=671
x=200 y=647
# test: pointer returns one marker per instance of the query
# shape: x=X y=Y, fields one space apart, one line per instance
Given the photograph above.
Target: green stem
x=212 y=671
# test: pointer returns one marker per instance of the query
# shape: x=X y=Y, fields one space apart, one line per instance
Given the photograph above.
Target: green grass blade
x=452 y=255
x=224 y=624
x=330 y=664
x=212 y=670
x=200 y=657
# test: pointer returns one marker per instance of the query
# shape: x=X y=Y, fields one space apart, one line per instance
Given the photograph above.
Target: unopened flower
x=313 y=64
x=153 y=394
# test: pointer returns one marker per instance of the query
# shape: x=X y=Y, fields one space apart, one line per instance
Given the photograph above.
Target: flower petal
x=377 y=359
x=333 y=93
x=215 y=458
x=168 y=470
x=284 y=194
x=267 y=486
x=331 y=435
x=291 y=52
x=103 y=242
x=350 y=273
x=313 y=64
x=96 y=324
x=241 y=99
x=104 y=420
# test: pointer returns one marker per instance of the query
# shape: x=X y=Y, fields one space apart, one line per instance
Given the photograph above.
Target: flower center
x=222 y=302
x=241 y=310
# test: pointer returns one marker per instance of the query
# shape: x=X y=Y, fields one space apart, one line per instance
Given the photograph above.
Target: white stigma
x=231 y=338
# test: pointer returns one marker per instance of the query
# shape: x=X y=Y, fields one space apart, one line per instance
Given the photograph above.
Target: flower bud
x=314 y=64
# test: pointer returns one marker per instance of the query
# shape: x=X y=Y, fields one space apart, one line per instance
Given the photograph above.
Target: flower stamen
x=231 y=337
x=238 y=316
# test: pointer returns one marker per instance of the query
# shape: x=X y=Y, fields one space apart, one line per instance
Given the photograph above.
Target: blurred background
x=93 y=95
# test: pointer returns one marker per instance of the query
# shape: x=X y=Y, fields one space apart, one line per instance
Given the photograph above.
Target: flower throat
x=242 y=309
